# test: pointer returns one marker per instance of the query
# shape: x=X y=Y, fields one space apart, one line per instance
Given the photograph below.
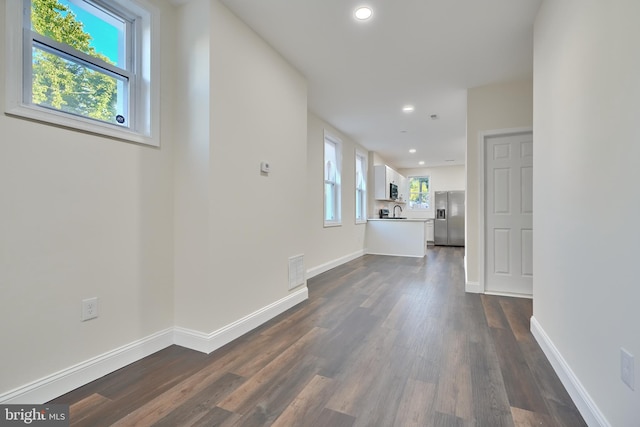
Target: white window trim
x=363 y=155
x=337 y=222
x=147 y=92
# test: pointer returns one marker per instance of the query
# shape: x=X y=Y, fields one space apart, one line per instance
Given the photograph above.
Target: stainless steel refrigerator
x=449 y=221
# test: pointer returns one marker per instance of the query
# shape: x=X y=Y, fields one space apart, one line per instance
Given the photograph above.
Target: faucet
x=394 y=210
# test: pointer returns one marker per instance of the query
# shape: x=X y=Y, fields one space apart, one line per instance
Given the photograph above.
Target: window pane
x=331 y=181
x=329 y=204
x=82 y=26
x=419 y=192
x=358 y=170
x=361 y=181
x=330 y=160
x=330 y=172
x=70 y=86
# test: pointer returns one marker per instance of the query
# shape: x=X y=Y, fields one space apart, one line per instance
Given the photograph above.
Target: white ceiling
x=421 y=52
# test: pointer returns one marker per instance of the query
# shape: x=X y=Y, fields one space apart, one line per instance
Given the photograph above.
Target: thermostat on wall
x=265 y=167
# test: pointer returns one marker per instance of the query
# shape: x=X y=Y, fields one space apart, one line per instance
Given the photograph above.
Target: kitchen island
x=397 y=237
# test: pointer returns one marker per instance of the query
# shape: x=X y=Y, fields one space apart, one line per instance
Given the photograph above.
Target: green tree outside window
x=419 y=192
x=64 y=83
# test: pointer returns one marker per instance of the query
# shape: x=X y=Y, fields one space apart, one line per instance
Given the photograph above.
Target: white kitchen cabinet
x=396 y=237
x=403 y=188
x=383 y=176
x=392 y=175
x=429 y=230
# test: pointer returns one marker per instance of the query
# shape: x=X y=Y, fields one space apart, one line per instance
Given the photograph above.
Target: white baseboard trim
x=332 y=264
x=464 y=265
x=208 y=342
x=403 y=255
x=585 y=404
x=68 y=379
x=508 y=294
x=472 y=287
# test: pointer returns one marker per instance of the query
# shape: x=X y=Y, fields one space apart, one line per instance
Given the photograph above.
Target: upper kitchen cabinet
x=403 y=188
x=385 y=180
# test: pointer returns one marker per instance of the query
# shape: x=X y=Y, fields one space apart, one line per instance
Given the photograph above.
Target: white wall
x=498 y=106
x=81 y=216
x=192 y=166
x=189 y=235
x=586 y=197
x=240 y=226
x=441 y=178
x=328 y=246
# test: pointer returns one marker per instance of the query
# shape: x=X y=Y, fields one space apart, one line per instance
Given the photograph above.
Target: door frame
x=482 y=228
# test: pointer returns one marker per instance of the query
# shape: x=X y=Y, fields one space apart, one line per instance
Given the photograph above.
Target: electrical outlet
x=89 y=308
x=626 y=368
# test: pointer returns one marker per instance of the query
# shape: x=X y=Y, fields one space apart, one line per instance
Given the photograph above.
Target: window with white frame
x=332 y=168
x=361 y=188
x=85 y=64
x=419 y=195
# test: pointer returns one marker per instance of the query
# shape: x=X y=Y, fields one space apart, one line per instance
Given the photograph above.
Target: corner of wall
x=583 y=401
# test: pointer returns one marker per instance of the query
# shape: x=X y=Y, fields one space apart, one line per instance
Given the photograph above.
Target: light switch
x=265 y=167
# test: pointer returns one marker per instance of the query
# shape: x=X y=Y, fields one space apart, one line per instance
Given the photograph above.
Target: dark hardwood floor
x=382 y=341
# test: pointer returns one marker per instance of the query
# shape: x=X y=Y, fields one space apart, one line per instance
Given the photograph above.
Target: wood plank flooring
x=382 y=341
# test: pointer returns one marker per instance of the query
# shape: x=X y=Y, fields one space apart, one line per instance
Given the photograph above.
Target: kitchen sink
x=395 y=217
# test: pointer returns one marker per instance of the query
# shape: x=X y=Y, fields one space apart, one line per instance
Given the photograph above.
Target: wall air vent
x=296 y=271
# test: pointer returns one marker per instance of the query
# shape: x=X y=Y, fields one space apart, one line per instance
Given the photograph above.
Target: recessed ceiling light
x=413 y=150
x=421 y=162
x=408 y=108
x=363 y=13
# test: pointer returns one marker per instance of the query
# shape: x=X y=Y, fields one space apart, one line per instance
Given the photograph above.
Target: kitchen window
x=361 y=188
x=419 y=193
x=332 y=172
x=84 y=64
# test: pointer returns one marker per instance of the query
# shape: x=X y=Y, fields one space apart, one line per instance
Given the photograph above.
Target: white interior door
x=509 y=214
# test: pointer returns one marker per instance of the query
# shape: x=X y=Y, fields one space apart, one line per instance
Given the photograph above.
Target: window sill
x=361 y=221
x=332 y=224
x=63 y=120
